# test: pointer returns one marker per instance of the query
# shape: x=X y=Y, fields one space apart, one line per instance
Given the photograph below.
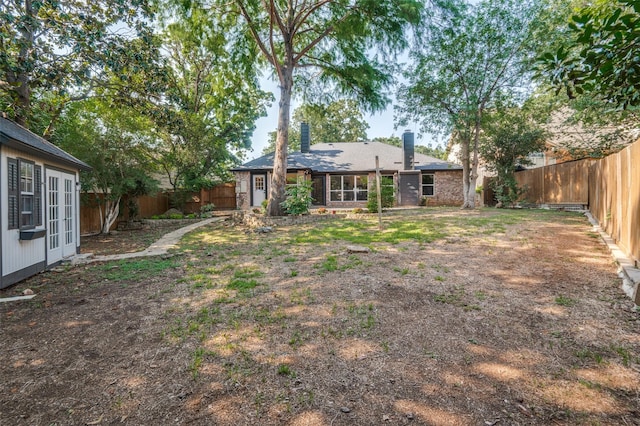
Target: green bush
x=388 y=198
x=298 y=198
x=206 y=210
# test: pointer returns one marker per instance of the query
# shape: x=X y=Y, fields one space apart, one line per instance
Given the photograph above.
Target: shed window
x=24 y=194
x=349 y=188
x=428 y=185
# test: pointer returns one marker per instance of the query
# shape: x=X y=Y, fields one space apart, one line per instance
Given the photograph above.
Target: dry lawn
x=486 y=317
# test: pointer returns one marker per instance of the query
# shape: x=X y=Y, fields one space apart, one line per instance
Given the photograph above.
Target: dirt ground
x=452 y=318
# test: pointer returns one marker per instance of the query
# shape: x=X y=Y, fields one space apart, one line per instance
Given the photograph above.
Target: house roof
x=349 y=157
x=17 y=137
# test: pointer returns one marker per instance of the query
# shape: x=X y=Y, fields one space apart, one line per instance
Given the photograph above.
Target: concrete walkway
x=159 y=248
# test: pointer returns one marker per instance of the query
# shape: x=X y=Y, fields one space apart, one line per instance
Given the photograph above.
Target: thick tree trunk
x=111 y=210
x=466 y=171
x=279 y=174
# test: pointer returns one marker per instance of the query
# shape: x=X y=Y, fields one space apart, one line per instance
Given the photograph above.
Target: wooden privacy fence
x=614 y=197
x=565 y=183
x=223 y=197
x=90 y=211
x=609 y=187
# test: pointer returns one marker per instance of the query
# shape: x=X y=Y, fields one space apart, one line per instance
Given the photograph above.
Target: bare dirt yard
x=483 y=317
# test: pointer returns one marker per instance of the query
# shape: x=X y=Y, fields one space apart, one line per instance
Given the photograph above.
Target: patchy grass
x=452 y=317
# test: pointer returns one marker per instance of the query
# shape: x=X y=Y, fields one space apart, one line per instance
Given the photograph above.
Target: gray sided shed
x=39 y=203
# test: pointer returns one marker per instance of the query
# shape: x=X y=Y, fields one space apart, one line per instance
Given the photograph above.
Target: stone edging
x=257 y=221
x=627 y=270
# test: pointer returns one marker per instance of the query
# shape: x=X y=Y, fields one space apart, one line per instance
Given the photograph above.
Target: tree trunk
x=279 y=174
x=20 y=79
x=473 y=171
x=466 y=171
x=111 y=210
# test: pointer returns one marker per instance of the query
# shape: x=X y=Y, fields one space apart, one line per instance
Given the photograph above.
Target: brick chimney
x=305 y=140
x=408 y=149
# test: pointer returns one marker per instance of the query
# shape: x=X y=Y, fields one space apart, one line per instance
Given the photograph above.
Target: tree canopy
x=213 y=104
x=329 y=43
x=64 y=51
x=117 y=143
x=510 y=135
x=467 y=61
x=600 y=55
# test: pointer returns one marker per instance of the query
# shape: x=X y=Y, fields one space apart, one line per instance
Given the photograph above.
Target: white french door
x=61 y=235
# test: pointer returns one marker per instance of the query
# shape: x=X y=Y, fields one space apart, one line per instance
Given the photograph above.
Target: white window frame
x=356 y=186
x=26 y=194
x=426 y=186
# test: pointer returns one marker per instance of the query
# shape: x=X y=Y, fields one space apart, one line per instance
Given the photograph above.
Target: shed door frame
x=61 y=239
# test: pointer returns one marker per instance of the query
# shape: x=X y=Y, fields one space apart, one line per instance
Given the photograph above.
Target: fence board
x=610 y=187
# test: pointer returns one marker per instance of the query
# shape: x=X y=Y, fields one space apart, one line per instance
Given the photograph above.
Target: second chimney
x=305 y=140
x=408 y=149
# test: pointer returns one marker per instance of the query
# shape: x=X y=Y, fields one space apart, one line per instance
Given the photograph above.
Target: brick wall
x=243 y=188
x=448 y=189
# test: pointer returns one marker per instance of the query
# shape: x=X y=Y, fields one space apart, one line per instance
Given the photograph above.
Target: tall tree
x=509 y=135
x=468 y=60
x=213 y=103
x=339 y=42
x=117 y=143
x=62 y=50
x=339 y=121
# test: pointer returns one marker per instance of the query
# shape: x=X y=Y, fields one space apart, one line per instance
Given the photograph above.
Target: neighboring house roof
x=17 y=137
x=346 y=157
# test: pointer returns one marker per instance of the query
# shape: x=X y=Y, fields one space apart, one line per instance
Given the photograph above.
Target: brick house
x=342 y=174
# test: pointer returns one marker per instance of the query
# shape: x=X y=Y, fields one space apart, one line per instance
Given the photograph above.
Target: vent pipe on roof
x=408 y=149
x=305 y=140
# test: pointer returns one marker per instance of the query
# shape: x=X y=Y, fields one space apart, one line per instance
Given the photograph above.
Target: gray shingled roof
x=16 y=136
x=348 y=157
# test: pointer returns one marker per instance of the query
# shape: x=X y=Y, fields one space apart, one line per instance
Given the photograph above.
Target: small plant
x=298 y=198
x=207 y=210
x=330 y=264
x=285 y=370
x=322 y=210
x=564 y=301
x=357 y=210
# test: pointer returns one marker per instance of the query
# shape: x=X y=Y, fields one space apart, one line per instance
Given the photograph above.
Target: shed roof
x=349 y=157
x=17 y=137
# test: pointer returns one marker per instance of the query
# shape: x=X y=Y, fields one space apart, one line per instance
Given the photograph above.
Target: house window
x=24 y=194
x=428 y=185
x=349 y=188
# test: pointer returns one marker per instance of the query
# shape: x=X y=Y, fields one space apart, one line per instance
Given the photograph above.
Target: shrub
x=206 y=210
x=298 y=198
x=387 y=198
